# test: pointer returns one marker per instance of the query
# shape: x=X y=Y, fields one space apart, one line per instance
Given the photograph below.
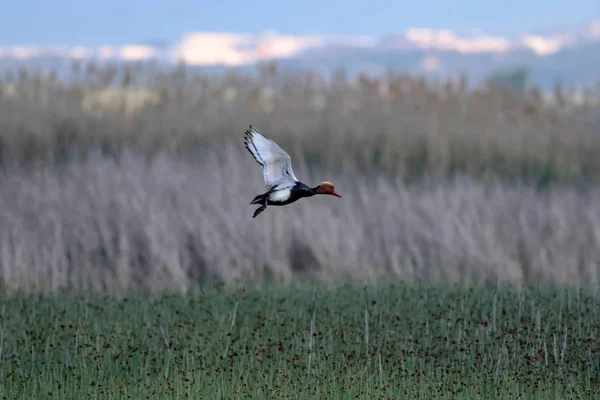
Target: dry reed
x=84 y=206
x=398 y=125
x=111 y=226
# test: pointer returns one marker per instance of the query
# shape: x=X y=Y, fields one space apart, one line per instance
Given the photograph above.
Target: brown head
x=327 y=188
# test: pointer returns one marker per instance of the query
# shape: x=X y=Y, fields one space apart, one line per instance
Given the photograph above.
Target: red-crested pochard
x=282 y=185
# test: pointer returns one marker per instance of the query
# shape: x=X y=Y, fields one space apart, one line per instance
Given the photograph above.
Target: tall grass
x=145 y=185
x=399 y=125
x=109 y=226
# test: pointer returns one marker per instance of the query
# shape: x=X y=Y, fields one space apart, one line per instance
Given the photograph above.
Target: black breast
x=301 y=190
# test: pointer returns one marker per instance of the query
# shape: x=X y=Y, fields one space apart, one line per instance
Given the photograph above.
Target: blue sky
x=93 y=23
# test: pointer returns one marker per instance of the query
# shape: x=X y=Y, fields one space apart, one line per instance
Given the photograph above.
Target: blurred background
x=463 y=138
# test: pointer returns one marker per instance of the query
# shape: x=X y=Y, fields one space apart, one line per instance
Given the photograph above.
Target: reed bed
x=397 y=125
x=112 y=226
x=140 y=181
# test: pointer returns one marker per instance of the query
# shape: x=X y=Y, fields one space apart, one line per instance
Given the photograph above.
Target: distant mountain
x=579 y=65
x=571 y=56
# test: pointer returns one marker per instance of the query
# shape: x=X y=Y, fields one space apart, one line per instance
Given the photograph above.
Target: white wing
x=276 y=163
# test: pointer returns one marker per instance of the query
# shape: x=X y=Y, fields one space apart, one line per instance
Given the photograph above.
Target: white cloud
x=275 y=46
x=594 y=29
x=27 y=52
x=136 y=52
x=204 y=48
x=448 y=40
x=23 y=52
x=106 y=52
x=543 y=45
x=127 y=52
x=213 y=48
x=79 y=52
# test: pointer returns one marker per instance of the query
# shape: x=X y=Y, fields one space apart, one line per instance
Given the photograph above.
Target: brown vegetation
x=82 y=204
x=399 y=125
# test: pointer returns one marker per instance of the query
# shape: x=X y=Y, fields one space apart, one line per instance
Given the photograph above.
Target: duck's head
x=327 y=187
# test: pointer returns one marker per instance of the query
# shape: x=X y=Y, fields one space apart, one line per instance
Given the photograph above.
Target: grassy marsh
x=377 y=341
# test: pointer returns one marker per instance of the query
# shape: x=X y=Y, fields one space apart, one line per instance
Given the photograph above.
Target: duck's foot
x=259 y=210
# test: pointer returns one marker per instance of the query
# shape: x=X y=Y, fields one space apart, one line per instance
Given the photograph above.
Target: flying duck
x=282 y=185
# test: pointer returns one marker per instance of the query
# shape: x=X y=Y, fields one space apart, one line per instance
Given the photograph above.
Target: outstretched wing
x=276 y=163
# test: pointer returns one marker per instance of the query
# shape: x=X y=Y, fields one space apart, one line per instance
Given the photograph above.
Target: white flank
x=281 y=195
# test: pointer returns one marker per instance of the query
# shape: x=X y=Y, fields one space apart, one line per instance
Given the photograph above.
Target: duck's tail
x=260 y=199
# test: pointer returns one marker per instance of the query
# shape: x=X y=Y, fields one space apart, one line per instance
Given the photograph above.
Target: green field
x=375 y=342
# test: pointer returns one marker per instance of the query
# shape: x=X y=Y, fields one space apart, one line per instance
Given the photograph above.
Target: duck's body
x=282 y=197
x=283 y=186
